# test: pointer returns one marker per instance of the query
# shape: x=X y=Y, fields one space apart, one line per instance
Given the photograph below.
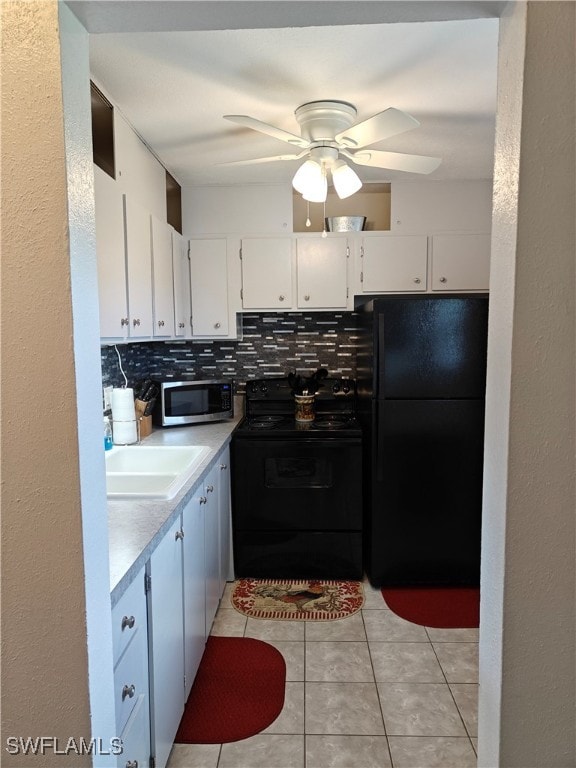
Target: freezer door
x=431 y=347
x=424 y=526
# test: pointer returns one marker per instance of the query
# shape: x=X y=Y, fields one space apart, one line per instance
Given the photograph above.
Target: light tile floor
x=369 y=691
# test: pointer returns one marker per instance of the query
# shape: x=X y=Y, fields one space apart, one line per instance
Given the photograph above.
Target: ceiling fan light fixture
x=345 y=179
x=310 y=181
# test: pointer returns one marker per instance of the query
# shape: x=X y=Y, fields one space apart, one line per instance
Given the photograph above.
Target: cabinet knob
x=160 y=323
x=180 y=325
x=306 y=298
x=216 y=325
x=223 y=466
x=136 y=322
x=127 y=621
x=443 y=280
x=132 y=764
x=128 y=691
x=203 y=499
x=179 y=535
x=417 y=280
x=209 y=488
x=124 y=321
x=281 y=298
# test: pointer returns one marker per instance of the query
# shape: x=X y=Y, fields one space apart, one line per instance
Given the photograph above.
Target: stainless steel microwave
x=193 y=402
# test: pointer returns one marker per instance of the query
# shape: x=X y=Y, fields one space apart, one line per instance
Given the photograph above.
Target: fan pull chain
x=324 y=233
x=308 y=222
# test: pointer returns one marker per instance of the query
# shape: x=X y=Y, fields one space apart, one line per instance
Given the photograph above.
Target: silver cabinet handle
x=160 y=323
x=417 y=280
x=306 y=298
x=132 y=764
x=209 y=488
x=180 y=325
x=179 y=535
x=216 y=325
x=443 y=280
x=128 y=691
x=124 y=321
x=127 y=621
x=281 y=297
x=135 y=322
x=203 y=499
x=223 y=466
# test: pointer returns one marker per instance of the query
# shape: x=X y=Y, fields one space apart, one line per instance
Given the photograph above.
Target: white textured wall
x=527 y=644
x=44 y=655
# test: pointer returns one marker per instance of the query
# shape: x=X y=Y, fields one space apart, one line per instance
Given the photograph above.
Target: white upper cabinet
x=461 y=262
x=393 y=263
x=139 y=268
x=112 y=296
x=322 y=271
x=267 y=273
x=209 y=287
x=181 y=271
x=140 y=175
x=163 y=278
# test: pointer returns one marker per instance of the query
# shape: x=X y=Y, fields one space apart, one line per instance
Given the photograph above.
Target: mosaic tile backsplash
x=272 y=344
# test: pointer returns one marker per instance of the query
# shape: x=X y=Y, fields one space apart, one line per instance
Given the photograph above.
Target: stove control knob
x=346 y=387
x=263 y=388
x=336 y=388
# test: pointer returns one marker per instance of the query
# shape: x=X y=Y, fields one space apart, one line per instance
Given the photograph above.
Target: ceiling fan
x=328 y=134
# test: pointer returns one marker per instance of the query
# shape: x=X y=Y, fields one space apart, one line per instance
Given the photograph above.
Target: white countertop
x=136 y=526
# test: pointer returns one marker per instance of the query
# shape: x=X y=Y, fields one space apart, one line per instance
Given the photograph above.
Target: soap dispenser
x=107 y=434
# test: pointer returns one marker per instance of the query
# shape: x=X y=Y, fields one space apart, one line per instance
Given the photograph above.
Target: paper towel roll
x=124 y=432
x=123 y=404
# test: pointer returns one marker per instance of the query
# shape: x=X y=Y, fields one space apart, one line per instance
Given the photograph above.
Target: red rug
x=238 y=691
x=442 y=608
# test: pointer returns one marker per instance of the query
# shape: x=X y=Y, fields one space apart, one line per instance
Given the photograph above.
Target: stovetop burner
x=265 y=422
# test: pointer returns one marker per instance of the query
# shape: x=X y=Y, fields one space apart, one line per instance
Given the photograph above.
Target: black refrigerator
x=421 y=371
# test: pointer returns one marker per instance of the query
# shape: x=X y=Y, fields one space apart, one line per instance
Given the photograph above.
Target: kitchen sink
x=150 y=471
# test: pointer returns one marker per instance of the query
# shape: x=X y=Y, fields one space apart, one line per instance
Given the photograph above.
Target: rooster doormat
x=297 y=600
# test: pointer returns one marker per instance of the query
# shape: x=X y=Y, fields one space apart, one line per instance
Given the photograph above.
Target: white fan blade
x=273 y=159
x=391 y=122
x=269 y=130
x=394 y=161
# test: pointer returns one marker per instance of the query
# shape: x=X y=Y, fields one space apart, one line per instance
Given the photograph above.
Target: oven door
x=304 y=485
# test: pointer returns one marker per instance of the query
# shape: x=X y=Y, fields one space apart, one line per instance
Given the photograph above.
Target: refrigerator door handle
x=379 y=362
x=377 y=448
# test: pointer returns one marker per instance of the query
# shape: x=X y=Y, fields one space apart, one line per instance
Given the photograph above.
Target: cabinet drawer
x=130 y=679
x=136 y=737
x=129 y=616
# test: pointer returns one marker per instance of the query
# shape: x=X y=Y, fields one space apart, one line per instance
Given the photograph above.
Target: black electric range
x=296 y=485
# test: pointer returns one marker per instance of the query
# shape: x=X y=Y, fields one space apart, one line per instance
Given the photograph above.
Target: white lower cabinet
x=131 y=684
x=212 y=544
x=166 y=637
x=194 y=571
x=225 y=520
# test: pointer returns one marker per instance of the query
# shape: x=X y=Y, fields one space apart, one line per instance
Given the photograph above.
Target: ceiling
x=175 y=86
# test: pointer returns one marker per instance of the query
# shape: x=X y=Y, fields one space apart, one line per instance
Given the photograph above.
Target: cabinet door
x=209 y=287
x=225 y=521
x=166 y=642
x=322 y=272
x=267 y=273
x=394 y=263
x=181 y=270
x=212 y=544
x=139 y=268
x=194 y=587
x=112 y=295
x=461 y=262
x=136 y=736
x=162 y=278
